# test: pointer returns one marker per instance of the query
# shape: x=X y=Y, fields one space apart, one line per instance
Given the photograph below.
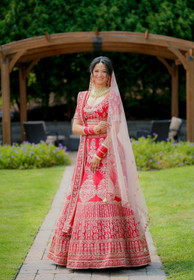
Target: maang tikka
x=101 y=63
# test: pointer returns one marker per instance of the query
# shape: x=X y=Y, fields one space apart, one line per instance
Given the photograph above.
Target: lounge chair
x=36 y=131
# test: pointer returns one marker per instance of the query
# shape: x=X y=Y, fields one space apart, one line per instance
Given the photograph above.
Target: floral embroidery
x=103 y=234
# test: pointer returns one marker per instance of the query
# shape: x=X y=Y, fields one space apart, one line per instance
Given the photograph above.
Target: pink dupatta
x=120 y=154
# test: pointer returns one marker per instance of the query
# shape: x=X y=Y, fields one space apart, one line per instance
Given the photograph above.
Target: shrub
x=159 y=155
x=28 y=155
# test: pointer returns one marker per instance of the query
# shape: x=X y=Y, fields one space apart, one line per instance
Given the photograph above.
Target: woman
x=104 y=219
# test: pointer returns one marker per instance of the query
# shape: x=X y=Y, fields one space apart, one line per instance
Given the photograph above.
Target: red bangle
x=89 y=130
x=101 y=151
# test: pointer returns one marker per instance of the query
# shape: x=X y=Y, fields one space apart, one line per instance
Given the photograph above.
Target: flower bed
x=159 y=155
x=28 y=155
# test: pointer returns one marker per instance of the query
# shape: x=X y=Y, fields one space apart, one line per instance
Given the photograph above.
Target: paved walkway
x=37 y=267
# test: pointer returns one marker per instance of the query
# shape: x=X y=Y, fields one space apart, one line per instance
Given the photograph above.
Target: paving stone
x=37 y=266
x=84 y=277
x=55 y=272
x=154 y=265
x=128 y=272
x=112 y=277
x=147 y=277
x=26 y=276
x=82 y=271
x=45 y=276
x=63 y=277
x=156 y=271
x=100 y=275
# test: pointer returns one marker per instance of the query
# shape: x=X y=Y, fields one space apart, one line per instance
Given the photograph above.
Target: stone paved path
x=37 y=267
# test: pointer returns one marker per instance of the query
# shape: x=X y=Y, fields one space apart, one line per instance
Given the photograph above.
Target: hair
x=105 y=60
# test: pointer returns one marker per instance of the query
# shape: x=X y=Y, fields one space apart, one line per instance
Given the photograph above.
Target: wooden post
x=190 y=98
x=5 y=87
x=23 y=100
x=174 y=91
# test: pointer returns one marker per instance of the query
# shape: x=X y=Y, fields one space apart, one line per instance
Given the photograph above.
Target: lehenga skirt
x=103 y=234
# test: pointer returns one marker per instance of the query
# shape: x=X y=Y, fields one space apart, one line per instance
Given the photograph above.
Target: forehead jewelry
x=101 y=63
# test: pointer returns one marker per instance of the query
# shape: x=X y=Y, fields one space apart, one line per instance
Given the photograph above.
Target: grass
x=25 y=198
x=26 y=195
x=169 y=196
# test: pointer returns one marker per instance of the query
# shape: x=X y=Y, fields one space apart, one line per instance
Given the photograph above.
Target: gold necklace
x=98 y=92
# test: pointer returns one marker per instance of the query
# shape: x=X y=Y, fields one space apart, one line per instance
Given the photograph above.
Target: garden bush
x=150 y=154
x=28 y=155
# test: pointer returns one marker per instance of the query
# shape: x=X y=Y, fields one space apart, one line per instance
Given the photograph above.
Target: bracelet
x=101 y=151
x=97 y=157
x=89 y=130
x=104 y=146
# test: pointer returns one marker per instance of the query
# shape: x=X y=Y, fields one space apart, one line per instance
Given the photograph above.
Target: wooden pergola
x=26 y=53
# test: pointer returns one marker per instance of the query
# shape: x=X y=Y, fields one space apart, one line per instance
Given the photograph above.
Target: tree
x=141 y=87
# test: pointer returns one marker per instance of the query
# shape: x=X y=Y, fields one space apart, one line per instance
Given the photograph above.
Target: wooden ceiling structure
x=26 y=53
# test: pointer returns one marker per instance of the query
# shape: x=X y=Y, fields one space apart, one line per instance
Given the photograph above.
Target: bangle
x=104 y=146
x=97 y=157
x=101 y=151
x=95 y=130
x=89 y=130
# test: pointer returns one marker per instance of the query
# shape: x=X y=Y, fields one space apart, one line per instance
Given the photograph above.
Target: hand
x=94 y=164
x=101 y=127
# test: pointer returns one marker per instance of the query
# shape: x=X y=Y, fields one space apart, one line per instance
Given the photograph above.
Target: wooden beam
x=2 y=56
x=191 y=52
x=23 y=100
x=5 y=88
x=15 y=59
x=34 y=62
x=173 y=71
x=179 y=55
x=47 y=36
x=97 y=32
x=113 y=39
x=177 y=62
x=190 y=97
x=174 y=91
x=146 y=34
x=166 y=64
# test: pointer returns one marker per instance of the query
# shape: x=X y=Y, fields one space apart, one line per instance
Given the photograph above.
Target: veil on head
x=120 y=158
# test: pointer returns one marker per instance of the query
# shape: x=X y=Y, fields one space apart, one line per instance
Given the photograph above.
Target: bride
x=105 y=217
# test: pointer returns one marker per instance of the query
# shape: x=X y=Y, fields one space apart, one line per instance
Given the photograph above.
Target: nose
x=100 y=74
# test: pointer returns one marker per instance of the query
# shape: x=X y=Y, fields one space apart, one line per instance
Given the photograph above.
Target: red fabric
x=103 y=234
x=101 y=151
x=89 y=130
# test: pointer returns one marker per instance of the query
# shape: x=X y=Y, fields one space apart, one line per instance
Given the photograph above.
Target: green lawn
x=26 y=195
x=169 y=196
x=25 y=198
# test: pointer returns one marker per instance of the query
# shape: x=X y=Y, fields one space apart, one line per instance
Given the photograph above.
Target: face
x=99 y=75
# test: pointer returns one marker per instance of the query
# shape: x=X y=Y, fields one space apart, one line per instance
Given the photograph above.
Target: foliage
x=25 y=198
x=170 y=203
x=28 y=155
x=159 y=155
x=30 y=18
x=143 y=90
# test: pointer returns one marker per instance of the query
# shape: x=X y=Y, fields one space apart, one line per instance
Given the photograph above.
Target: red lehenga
x=91 y=233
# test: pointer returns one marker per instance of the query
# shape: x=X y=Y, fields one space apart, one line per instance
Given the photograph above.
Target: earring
x=107 y=83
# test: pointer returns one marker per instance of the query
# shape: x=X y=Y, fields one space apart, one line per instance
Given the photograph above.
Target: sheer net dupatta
x=120 y=158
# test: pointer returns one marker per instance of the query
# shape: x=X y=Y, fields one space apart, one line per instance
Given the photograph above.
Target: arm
x=102 y=150
x=77 y=128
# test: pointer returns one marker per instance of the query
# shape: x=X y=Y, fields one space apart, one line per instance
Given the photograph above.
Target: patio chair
x=36 y=131
x=159 y=127
x=73 y=141
x=175 y=128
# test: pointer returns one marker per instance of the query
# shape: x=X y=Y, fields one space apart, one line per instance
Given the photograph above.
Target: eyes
x=96 y=71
